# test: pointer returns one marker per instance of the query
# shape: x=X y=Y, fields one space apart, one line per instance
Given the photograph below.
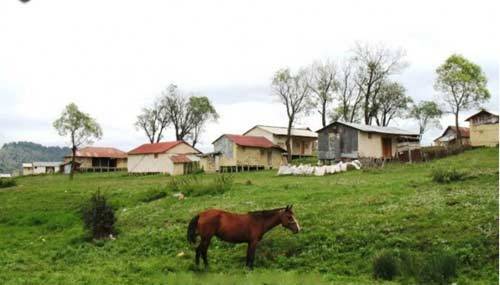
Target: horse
x=237 y=228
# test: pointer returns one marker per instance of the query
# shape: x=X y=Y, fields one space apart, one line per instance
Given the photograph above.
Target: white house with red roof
x=233 y=153
x=174 y=158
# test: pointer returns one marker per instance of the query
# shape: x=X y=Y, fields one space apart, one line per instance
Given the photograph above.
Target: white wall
x=147 y=163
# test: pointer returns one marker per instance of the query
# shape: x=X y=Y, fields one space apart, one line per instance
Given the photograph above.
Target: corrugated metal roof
x=93 y=151
x=482 y=111
x=46 y=163
x=282 y=131
x=150 y=148
x=180 y=158
x=464 y=132
x=374 y=129
x=250 y=141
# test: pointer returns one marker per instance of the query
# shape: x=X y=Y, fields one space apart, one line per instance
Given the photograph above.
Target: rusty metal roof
x=282 y=131
x=374 y=129
x=107 y=152
x=251 y=141
x=180 y=158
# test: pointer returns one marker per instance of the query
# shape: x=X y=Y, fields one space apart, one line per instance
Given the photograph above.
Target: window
x=369 y=135
x=156 y=155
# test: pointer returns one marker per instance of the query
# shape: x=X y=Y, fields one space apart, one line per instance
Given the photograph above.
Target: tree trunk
x=323 y=114
x=288 y=138
x=459 y=134
x=73 y=155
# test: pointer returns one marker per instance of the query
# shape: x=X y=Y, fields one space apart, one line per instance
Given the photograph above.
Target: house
x=41 y=167
x=303 y=140
x=345 y=141
x=483 y=128
x=98 y=159
x=449 y=136
x=174 y=158
x=233 y=153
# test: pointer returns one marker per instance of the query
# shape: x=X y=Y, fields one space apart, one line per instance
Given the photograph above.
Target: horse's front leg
x=252 y=246
x=198 y=254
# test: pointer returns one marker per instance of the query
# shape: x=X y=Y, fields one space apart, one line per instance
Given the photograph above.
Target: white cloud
x=113 y=57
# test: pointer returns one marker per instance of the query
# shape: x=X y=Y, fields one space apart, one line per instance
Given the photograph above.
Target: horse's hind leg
x=205 y=242
x=198 y=253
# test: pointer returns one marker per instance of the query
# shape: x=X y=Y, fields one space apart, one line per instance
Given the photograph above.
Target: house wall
x=258 y=156
x=182 y=149
x=370 y=145
x=484 y=135
x=209 y=164
x=147 y=163
x=228 y=151
x=337 y=142
x=27 y=170
x=281 y=141
x=178 y=169
x=121 y=163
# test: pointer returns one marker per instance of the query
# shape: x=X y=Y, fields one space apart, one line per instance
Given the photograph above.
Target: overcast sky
x=113 y=57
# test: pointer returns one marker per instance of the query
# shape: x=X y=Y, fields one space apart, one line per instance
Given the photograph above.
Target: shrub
x=439 y=268
x=99 y=217
x=7 y=182
x=153 y=194
x=447 y=175
x=248 y=182
x=385 y=265
x=312 y=160
x=195 y=185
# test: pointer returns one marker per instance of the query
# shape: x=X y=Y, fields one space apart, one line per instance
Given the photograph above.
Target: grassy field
x=346 y=218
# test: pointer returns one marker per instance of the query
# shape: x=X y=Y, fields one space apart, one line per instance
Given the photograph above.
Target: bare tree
x=348 y=96
x=293 y=91
x=323 y=84
x=153 y=121
x=373 y=64
x=390 y=103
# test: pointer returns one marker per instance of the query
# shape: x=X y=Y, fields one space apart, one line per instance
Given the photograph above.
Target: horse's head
x=289 y=221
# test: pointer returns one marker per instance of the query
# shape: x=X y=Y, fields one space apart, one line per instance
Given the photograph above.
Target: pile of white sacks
x=318 y=170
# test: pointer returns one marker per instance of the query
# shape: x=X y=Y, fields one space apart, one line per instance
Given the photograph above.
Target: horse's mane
x=264 y=213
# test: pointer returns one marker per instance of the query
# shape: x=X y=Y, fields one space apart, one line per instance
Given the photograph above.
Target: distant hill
x=13 y=154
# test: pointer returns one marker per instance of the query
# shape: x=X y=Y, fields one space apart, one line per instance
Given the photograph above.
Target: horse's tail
x=191 y=231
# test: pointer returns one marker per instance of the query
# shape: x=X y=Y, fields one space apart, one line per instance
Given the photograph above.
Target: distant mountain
x=13 y=154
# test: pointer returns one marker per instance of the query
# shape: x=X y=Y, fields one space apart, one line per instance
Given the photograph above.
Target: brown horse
x=237 y=228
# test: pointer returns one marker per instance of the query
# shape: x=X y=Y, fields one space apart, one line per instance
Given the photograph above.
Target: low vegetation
x=99 y=217
x=199 y=185
x=443 y=175
x=435 y=231
x=7 y=182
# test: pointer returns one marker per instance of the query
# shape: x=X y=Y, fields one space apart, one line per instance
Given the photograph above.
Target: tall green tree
x=427 y=113
x=461 y=85
x=293 y=91
x=202 y=112
x=80 y=127
x=390 y=103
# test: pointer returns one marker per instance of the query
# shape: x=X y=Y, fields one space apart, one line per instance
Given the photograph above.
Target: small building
x=449 y=136
x=5 y=175
x=233 y=153
x=346 y=141
x=483 y=128
x=303 y=140
x=98 y=159
x=41 y=167
x=174 y=158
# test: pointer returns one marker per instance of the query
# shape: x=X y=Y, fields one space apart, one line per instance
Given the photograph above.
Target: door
x=270 y=158
x=387 y=147
x=302 y=148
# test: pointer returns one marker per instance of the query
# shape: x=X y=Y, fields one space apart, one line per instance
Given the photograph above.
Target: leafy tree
x=153 y=120
x=390 y=103
x=373 y=65
x=293 y=91
x=323 y=84
x=202 y=111
x=80 y=127
x=461 y=85
x=427 y=113
x=188 y=114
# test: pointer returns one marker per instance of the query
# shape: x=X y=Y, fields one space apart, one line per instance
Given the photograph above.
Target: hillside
x=13 y=154
x=346 y=220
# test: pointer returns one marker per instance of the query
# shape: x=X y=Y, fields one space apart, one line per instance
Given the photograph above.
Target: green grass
x=347 y=219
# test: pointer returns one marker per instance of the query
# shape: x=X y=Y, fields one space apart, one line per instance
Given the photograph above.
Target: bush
x=7 y=182
x=447 y=175
x=385 y=266
x=439 y=268
x=312 y=160
x=195 y=185
x=153 y=194
x=99 y=217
